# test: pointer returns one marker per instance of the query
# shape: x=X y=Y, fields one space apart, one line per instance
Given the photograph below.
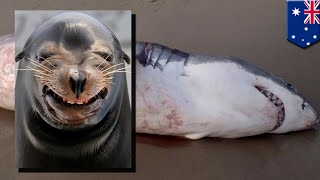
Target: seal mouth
x=72 y=112
x=276 y=101
x=101 y=95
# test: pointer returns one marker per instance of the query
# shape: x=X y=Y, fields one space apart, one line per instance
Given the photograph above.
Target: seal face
x=77 y=87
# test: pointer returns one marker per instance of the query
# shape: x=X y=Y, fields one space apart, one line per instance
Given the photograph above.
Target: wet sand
x=251 y=30
x=289 y=156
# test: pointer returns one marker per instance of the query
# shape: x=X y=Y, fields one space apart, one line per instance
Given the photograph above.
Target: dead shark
x=197 y=96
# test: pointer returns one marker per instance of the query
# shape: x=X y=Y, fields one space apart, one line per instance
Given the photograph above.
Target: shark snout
x=317 y=121
x=313 y=114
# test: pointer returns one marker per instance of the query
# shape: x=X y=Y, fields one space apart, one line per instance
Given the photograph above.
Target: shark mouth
x=276 y=102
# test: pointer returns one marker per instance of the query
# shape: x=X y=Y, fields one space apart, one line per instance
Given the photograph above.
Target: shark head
x=295 y=112
x=299 y=113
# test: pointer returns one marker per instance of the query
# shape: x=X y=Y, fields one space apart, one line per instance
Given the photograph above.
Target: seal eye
x=303 y=105
x=41 y=57
x=106 y=56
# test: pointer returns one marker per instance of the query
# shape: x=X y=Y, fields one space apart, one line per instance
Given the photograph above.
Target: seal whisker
x=44 y=78
x=44 y=68
x=36 y=71
x=116 y=72
x=47 y=61
x=105 y=77
x=39 y=65
x=104 y=60
x=39 y=71
x=24 y=69
x=107 y=81
x=44 y=81
x=111 y=67
x=111 y=83
x=119 y=68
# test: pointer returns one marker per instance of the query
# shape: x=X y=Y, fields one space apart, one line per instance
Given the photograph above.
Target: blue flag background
x=298 y=32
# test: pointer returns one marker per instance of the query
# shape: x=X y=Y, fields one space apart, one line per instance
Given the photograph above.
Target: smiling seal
x=72 y=104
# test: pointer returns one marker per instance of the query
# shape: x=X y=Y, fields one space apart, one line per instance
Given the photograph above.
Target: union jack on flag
x=312 y=12
x=303 y=22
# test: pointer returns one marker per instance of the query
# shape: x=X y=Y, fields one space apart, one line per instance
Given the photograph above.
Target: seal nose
x=78 y=81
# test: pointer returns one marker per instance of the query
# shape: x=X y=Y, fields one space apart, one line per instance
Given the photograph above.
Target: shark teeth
x=273 y=98
x=277 y=102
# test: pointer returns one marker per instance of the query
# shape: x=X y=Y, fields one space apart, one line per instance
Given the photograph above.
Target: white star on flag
x=295 y=11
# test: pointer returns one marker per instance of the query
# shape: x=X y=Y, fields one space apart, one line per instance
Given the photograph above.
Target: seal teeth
x=45 y=90
x=70 y=102
x=77 y=102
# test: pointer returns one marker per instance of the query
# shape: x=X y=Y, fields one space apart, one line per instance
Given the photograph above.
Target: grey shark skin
x=197 y=96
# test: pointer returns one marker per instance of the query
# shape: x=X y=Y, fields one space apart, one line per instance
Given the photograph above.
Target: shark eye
x=290 y=86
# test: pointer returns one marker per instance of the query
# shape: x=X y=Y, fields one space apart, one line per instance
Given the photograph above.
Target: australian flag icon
x=303 y=22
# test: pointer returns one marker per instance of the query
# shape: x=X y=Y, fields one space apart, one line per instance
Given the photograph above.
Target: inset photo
x=73 y=91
